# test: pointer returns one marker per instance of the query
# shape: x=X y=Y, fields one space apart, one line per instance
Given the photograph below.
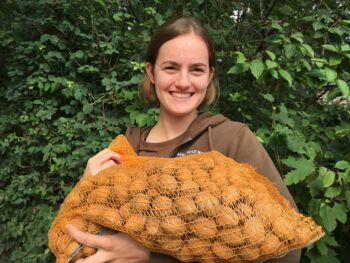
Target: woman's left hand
x=115 y=248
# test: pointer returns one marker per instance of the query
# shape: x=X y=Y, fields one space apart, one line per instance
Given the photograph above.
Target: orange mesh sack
x=204 y=207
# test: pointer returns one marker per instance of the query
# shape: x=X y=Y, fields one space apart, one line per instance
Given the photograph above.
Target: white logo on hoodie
x=181 y=154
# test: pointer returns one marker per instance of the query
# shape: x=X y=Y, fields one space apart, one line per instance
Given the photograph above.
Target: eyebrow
x=171 y=62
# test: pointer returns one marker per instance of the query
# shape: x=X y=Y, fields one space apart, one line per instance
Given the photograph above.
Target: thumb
x=84 y=238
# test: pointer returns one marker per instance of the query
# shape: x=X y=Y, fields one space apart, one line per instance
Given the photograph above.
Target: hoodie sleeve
x=247 y=149
x=133 y=135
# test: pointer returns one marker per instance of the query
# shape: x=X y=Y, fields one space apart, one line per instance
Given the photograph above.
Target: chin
x=182 y=113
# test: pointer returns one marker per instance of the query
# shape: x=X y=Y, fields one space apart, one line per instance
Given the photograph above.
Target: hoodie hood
x=203 y=122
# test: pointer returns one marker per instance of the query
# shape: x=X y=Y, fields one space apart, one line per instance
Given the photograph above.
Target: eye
x=169 y=68
x=198 y=71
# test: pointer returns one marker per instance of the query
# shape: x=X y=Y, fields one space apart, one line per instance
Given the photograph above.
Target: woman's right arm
x=113 y=248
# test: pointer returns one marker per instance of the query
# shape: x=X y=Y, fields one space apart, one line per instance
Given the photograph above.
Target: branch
x=133 y=11
x=270 y=9
x=259 y=48
x=326 y=89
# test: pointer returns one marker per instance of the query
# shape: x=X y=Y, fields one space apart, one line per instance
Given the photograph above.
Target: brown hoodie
x=215 y=132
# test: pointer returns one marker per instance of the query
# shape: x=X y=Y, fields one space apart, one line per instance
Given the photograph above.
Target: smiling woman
x=180 y=74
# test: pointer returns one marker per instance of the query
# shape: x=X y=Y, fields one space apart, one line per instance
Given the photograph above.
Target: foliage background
x=68 y=78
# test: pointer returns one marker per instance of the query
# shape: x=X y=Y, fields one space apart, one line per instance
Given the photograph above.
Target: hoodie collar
x=205 y=121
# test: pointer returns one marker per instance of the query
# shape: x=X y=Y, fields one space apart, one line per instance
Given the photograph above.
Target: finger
x=84 y=238
x=104 y=155
x=100 y=257
x=105 y=166
x=108 y=155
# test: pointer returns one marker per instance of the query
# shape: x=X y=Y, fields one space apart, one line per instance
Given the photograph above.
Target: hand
x=115 y=248
x=102 y=160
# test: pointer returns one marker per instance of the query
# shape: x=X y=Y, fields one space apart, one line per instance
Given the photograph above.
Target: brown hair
x=174 y=27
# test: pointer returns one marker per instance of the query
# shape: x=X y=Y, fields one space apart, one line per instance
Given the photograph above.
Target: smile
x=180 y=94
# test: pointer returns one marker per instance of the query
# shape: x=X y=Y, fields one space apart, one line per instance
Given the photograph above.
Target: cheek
x=163 y=82
x=201 y=84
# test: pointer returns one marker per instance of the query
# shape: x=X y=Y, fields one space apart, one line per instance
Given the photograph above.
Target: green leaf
x=342 y=130
x=44 y=38
x=327 y=177
x=309 y=18
x=285 y=74
x=271 y=54
x=277 y=26
x=317 y=25
x=141 y=119
x=343 y=86
x=332 y=192
x=256 y=68
x=286 y=10
x=240 y=57
x=316 y=187
x=275 y=39
x=342 y=165
x=344 y=22
x=296 y=142
x=335 y=30
x=320 y=62
x=235 y=96
x=330 y=74
x=298 y=37
x=332 y=61
x=88 y=69
x=328 y=218
x=340 y=212
x=87 y=108
x=345 y=47
x=347 y=197
x=238 y=68
x=332 y=257
x=274 y=73
x=118 y=16
x=306 y=64
x=303 y=168
x=79 y=54
x=322 y=247
x=314 y=206
x=289 y=50
x=308 y=49
x=330 y=48
x=268 y=97
x=330 y=241
x=271 y=64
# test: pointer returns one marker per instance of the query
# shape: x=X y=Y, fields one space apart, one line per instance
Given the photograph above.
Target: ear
x=149 y=71
x=211 y=74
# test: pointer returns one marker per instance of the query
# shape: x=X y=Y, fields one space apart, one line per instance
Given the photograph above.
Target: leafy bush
x=69 y=77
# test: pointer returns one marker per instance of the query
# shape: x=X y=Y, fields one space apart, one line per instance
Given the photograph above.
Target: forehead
x=186 y=48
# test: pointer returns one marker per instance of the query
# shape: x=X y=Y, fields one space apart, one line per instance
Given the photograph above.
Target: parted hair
x=174 y=27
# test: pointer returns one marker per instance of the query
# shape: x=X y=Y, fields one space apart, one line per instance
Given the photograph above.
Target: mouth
x=180 y=94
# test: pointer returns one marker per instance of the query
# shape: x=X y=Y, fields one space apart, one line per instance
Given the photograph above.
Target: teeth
x=181 y=95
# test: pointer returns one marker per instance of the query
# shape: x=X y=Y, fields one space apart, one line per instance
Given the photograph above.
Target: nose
x=183 y=80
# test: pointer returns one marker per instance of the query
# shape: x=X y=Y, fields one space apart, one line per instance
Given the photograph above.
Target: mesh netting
x=204 y=207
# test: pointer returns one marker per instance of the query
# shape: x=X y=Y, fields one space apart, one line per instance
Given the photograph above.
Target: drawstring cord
x=210 y=139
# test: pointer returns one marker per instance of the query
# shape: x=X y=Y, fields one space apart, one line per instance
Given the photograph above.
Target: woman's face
x=181 y=75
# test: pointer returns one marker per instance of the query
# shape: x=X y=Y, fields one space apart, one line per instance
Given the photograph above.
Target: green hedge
x=69 y=74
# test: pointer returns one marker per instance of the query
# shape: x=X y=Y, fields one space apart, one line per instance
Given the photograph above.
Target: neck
x=169 y=127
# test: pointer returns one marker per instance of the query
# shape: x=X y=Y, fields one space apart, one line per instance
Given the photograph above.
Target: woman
x=180 y=69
